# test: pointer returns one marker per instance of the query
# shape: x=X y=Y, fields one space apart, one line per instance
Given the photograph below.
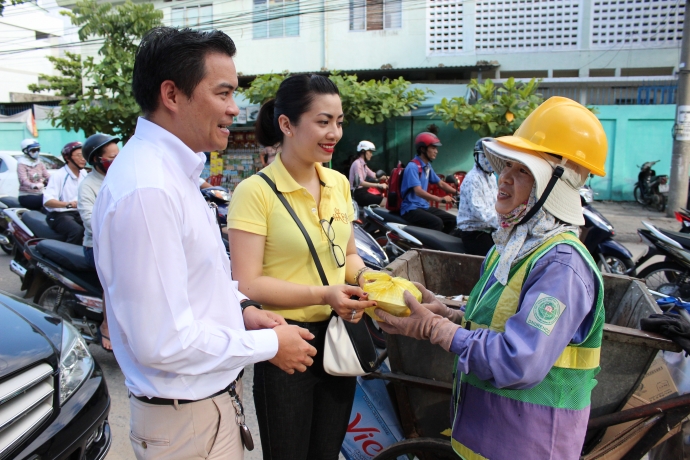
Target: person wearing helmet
x=417 y=176
x=99 y=150
x=268 y=154
x=362 y=178
x=32 y=174
x=60 y=196
x=529 y=342
x=477 y=218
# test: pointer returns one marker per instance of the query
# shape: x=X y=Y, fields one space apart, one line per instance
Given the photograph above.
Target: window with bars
x=196 y=16
x=276 y=18
x=375 y=14
x=637 y=23
x=444 y=27
x=524 y=25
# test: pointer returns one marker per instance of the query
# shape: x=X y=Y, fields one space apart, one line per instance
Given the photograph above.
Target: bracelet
x=359 y=273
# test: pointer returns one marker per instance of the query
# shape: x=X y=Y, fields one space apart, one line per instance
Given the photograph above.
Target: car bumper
x=80 y=430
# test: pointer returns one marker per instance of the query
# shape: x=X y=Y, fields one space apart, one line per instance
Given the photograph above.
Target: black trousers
x=69 y=224
x=432 y=218
x=477 y=243
x=364 y=198
x=303 y=416
x=34 y=202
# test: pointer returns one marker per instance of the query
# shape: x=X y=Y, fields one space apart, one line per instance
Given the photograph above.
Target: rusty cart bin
x=421 y=373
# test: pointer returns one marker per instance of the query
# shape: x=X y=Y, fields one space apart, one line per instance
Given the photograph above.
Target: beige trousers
x=204 y=429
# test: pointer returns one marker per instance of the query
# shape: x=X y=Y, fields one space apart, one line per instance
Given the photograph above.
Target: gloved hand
x=422 y=324
x=431 y=302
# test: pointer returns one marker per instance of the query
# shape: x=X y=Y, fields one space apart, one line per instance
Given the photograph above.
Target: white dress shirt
x=62 y=186
x=173 y=309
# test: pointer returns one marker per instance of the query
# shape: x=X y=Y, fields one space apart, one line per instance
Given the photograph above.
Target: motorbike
x=397 y=236
x=672 y=276
x=650 y=189
x=683 y=216
x=597 y=236
x=7 y=202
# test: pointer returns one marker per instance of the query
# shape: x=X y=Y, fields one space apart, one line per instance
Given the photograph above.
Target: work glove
x=672 y=326
x=431 y=302
x=422 y=324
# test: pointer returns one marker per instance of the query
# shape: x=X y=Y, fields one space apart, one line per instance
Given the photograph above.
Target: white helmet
x=366 y=145
x=31 y=144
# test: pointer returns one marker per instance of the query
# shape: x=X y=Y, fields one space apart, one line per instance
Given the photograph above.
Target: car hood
x=27 y=336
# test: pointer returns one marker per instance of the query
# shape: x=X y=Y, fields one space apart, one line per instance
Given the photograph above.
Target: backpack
x=395 y=198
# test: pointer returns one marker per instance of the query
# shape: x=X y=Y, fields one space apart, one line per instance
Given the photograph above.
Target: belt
x=171 y=402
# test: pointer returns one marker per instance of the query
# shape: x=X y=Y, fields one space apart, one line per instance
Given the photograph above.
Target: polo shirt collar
x=188 y=161
x=70 y=173
x=284 y=181
x=422 y=161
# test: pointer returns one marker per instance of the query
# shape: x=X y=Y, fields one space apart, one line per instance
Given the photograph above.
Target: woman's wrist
x=359 y=274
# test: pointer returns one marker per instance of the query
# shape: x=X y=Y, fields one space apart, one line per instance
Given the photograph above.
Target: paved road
x=625 y=217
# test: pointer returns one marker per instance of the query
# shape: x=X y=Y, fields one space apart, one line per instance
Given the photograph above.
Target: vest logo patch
x=545 y=313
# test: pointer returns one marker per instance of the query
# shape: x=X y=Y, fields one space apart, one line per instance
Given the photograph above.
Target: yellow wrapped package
x=388 y=293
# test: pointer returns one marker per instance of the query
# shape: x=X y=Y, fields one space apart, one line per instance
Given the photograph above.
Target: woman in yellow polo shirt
x=304 y=415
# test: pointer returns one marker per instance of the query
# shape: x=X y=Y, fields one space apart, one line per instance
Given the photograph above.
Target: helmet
x=30 y=144
x=366 y=145
x=426 y=139
x=95 y=142
x=563 y=127
x=69 y=148
x=481 y=162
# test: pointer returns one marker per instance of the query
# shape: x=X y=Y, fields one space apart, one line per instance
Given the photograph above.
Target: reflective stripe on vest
x=465 y=452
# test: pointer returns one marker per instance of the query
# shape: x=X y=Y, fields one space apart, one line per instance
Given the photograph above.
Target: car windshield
x=52 y=162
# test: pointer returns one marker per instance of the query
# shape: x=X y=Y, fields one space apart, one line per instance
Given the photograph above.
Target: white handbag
x=349 y=350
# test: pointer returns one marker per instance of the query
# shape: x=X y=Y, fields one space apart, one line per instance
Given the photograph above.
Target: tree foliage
x=68 y=83
x=4 y=3
x=366 y=102
x=106 y=104
x=498 y=111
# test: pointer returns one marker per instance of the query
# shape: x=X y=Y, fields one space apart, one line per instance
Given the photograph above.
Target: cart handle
x=637 y=413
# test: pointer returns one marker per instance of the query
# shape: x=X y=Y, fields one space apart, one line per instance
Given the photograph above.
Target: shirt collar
x=188 y=161
x=70 y=173
x=97 y=174
x=424 y=163
x=284 y=181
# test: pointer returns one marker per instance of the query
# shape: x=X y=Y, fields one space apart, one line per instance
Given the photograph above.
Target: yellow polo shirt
x=255 y=208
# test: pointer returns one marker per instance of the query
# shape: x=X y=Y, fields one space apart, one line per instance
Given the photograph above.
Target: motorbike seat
x=36 y=221
x=433 y=239
x=10 y=201
x=69 y=256
x=390 y=217
x=682 y=238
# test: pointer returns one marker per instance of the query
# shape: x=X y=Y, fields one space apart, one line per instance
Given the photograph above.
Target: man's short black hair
x=167 y=53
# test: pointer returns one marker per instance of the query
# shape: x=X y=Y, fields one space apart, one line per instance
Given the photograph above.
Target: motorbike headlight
x=76 y=362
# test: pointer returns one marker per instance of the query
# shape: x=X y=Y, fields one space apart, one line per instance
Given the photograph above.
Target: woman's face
x=319 y=129
x=514 y=186
x=368 y=154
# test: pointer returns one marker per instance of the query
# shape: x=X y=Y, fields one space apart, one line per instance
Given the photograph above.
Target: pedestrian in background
x=477 y=218
x=301 y=416
x=178 y=329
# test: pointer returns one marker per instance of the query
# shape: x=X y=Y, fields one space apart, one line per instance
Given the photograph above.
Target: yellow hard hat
x=563 y=127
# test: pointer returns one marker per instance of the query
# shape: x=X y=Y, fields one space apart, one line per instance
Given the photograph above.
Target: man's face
x=207 y=115
x=432 y=152
x=78 y=159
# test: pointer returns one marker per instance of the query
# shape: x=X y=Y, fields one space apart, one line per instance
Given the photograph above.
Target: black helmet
x=95 y=142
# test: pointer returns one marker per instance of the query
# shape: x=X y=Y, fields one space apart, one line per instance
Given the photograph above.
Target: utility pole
x=678 y=187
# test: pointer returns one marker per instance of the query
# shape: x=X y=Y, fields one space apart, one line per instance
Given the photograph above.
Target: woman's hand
x=338 y=297
x=431 y=303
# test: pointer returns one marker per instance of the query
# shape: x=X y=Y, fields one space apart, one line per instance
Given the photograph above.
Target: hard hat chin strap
x=557 y=173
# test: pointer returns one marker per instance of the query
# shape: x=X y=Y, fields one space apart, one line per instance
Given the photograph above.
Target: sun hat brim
x=564 y=200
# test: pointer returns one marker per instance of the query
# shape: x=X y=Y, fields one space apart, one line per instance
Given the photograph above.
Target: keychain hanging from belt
x=245 y=434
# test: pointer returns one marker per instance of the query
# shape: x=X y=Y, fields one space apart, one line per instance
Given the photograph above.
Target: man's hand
x=73 y=204
x=255 y=319
x=294 y=353
x=447 y=199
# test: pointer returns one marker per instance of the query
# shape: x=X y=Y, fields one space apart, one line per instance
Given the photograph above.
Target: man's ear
x=170 y=95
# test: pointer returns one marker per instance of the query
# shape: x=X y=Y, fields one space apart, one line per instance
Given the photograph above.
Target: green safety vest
x=569 y=383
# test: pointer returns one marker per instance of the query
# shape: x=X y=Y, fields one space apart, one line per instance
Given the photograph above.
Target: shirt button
x=313 y=209
x=143 y=444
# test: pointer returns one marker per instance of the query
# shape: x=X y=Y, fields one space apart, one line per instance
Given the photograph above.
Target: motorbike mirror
x=380 y=173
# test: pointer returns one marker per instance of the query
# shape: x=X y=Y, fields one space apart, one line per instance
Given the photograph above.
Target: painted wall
x=52 y=139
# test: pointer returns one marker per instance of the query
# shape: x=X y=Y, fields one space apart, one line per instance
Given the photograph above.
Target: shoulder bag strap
x=312 y=249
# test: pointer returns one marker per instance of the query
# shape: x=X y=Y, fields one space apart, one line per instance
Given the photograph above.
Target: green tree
x=106 y=104
x=3 y=4
x=498 y=111
x=68 y=83
x=366 y=102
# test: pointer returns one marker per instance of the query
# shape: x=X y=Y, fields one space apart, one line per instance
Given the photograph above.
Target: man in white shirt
x=176 y=324
x=60 y=196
